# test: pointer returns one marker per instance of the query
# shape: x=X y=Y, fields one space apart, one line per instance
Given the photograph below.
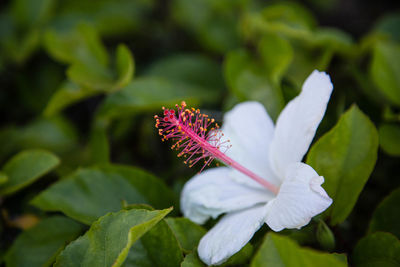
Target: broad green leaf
x=277 y=54
x=24 y=20
x=289 y=14
x=158 y=247
x=241 y=257
x=151 y=93
x=88 y=78
x=386 y=217
x=110 y=238
x=67 y=94
x=345 y=157
x=385 y=69
x=89 y=72
x=125 y=66
x=295 y=23
x=389 y=24
x=277 y=250
x=389 y=138
x=109 y=18
x=187 y=232
x=3 y=178
x=81 y=45
x=305 y=60
x=376 y=250
x=55 y=134
x=211 y=22
x=98 y=143
x=234 y=64
x=104 y=79
x=248 y=80
x=40 y=245
x=87 y=56
x=192 y=260
x=161 y=245
x=18 y=47
x=90 y=193
x=325 y=236
x=189 y=68
x=26 y=167
x=31 y=13
x=335 y=40
x=288 y=19
x=138 y=256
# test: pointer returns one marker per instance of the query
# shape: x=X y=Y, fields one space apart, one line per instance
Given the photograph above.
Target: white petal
x=250 y=130
x=298 y=122
x=230 y=234
x=300 y=198
x=212 y=192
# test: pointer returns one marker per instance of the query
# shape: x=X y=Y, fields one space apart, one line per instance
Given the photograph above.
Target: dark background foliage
x=82 y=80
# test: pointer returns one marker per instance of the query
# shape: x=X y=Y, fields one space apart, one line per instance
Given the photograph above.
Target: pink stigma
x=198 y=138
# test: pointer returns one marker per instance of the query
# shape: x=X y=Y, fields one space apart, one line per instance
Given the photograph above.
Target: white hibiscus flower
x=272 y=152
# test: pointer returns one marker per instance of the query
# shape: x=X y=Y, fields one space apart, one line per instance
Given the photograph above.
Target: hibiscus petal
x=230 y=234
x=212 y=192
x=298 y=122
x=250 y=130
x=300 y=198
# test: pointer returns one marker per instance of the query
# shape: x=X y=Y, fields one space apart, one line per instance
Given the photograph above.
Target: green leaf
x=88 y=79
x=277 y=55
x=26 y=167
x=3 y=178
x=125 y=66
x=102 y=80
x=56 y=134
x=90 y=193
x=345 y=156
x=192 y=260
x=40 y=245
x=325 y=236
x=98 y=143
x=190 y=69
x=277 y=250
x=158 y=247
x=248 y=80
x=110 y=238
x=81 y=45
x=24 y=22
x=387 y=215
x=376 y=250
x=161 y=245
x=389 y=24
x=89 y=72
x=384 y=69
x=211 y=22
x=67 y=94
x=240 y=257
x=138 y=257
x=288 y=19
x=89 y=60
x=389 y=138
x=151 y=93
x=31 y=13
x=109 y=18
x=187 y=232
x=334 y=40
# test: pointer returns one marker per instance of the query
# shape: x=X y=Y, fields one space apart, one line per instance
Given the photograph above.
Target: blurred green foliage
x=81 y=80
